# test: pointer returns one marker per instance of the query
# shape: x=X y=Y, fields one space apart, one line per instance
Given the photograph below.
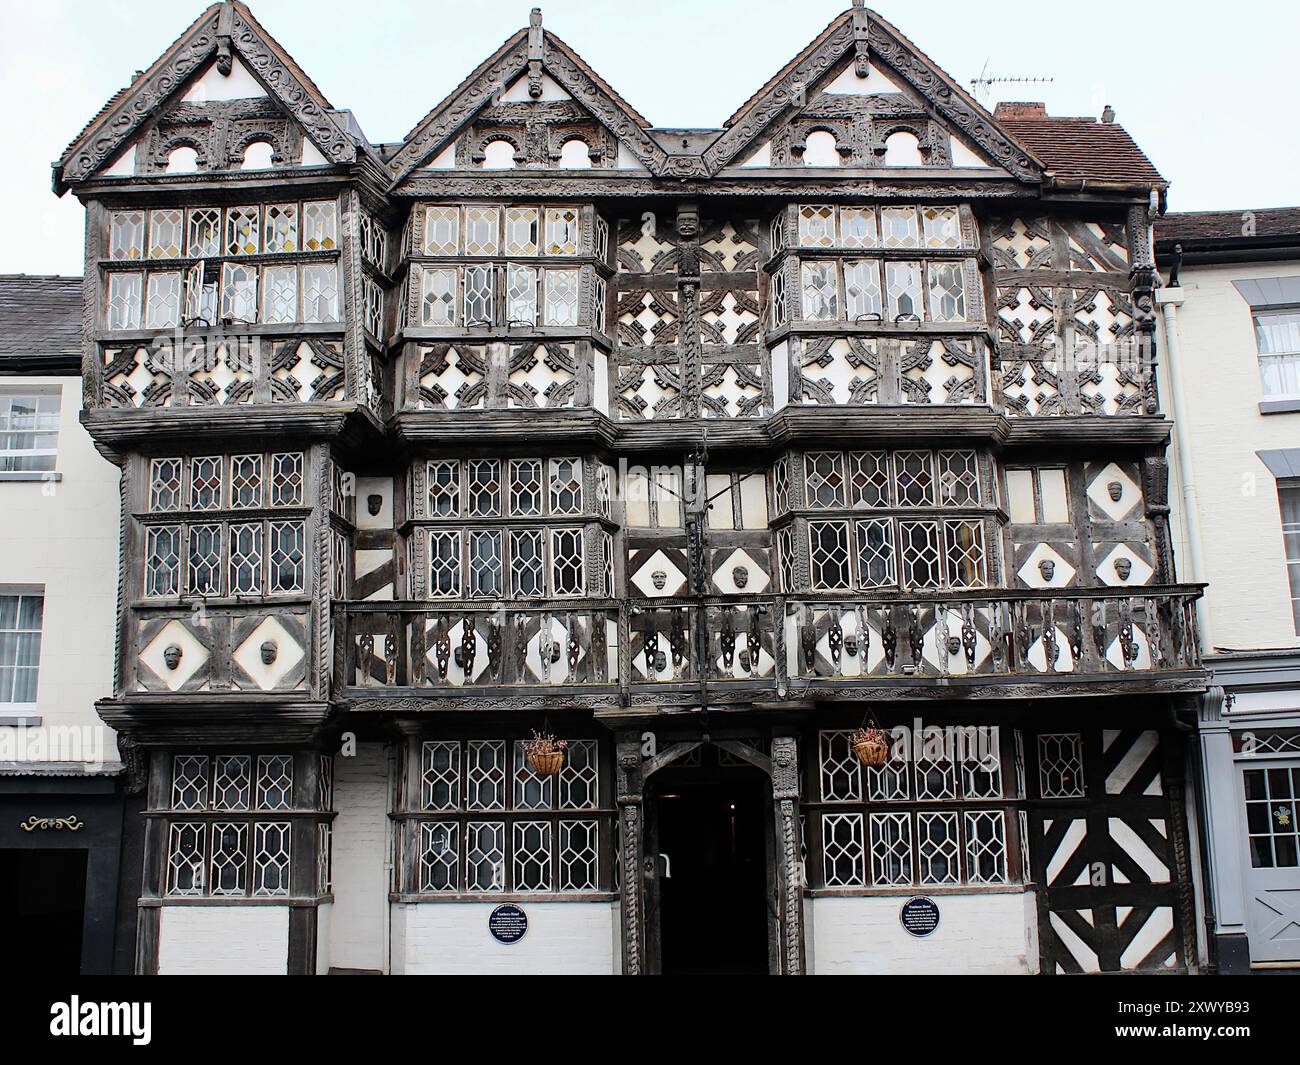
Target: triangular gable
x=858 y=46
x=224 y=35
x=539 y=63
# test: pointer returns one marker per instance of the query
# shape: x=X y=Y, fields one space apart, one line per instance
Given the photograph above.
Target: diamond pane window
x=444 y=564
x=562 y=231
x=186 y=847
x=271 y=843
x=166 y=233
x=526 y=487
x=919 y=547
x=862 y=289
x=229 y=858
x=126 y=235
x=947 y=293
x=288 y=561
x=440 y=775
x=903 y=289
x=841 y=779
x=942 y=227
x=245 y=481
x=280 y=228
x=274 y=782
x=438 y=297
x=579 y=780
x=521 y=231
x=242 y=229
x=165 y=484
x=777 y=295
x=898 y=227
x=441 y=230
x=479 y=289
x=320 y=226
x=890 y=782
x=124 y=301
x=532 y=847
x=190 y=782
x=821 y=301
x=484 y=564
x=842 y=852
x=162 y=567
x=204 y=560
x=858 y=227
x=527 y=568
x=935 y=779
x=816 y=226
x=601 y=240
x=986 y=847
x=232 y=782
x=828 y=546
x=238 y=292
x=531 y=792
x=286 y=479
x=938 y=848
x=566 y=486
x=203 y=235
x=320 y=293
x=964 y=550
x=246 y=559
x=566 y=561
x=200 y=295
x=444 y=488
x=484 y=488
x=915 y=477
x=482 y=225
x=959 y=479
x=485 y=782
x=485 y=856
x=981 y=775
x=1060 y=765
x=521 y=294
x=891 y=849
x=869 y=479
x=163 y=306
x=205 y=483
x=561 y=297
x=280 y=294
x=875 y=553
x=439 y=855
x=579 y=867
x=598 y=296
x=374 y=240
x=338 y=564
x=823 y=479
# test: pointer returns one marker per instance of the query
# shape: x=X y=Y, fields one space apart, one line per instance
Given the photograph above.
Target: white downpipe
x=1170 y=299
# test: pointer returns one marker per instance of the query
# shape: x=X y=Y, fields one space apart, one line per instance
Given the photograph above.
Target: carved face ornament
x=374 y=504
x=1123 y=567
x=659 y=578
x=172 y=656
x=1047 y=568
x=1115 y=489
x=270 y=651
x=741 y=576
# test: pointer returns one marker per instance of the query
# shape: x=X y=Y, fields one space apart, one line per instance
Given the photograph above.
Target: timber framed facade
x=698 y=448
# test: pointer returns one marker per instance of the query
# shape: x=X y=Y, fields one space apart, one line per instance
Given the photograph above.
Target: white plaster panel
x=223 y=941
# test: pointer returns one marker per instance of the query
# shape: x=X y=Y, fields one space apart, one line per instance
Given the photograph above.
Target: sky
x=1205 y=89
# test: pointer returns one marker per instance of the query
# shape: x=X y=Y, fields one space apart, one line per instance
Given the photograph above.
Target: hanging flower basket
x=869 y=746
x=545 y=754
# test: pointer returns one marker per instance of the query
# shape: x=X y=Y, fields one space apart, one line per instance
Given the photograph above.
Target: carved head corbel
x=270 y=651
x=172 y=656
x=1047 y=567
x=1123 y=568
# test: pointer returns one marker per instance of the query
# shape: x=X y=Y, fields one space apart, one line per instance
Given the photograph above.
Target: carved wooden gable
x=861 y=95
x=225 y=85
x=534 y=103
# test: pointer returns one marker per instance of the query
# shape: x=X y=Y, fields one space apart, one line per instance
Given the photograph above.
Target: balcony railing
x=767 y=647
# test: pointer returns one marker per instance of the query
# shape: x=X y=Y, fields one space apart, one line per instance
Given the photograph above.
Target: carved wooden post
x=785 y=794
x=688 y=285
x=630 y=789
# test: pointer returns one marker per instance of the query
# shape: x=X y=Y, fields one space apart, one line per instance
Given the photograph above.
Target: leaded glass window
x=479 y=295
x=442 y=230
x=862 y=289
x=561 y=297
x=280 y=228
x=162 y=574
x=287 y=556
x=526 y=487
x=165 y=484
x=444 y=563
x=527 y=565
x=243 y=225
x=444 y=488
x=320 y=295
x=481 y=226
x=280 y=294
x=898 y=227
x=124 y=301
x=521 y=294
x=203 y=568
x=203 y=235
x=126 y=235
x=903 y=290
x=438 y=297
x=942 y=227
x=820 y=292
x=521 y=231
x=238 y=292
x=484 y=564
x=166 y=233
x=947 y=293
x=562 y=231
x=320 y=226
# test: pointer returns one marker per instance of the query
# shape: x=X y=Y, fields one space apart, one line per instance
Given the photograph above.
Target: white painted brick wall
x=223 y=941
x=978 y=934
x=356 y=925
x=563 y=939
x=1249 y=599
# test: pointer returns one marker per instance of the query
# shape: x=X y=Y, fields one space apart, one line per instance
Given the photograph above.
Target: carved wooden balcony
x=769 y=648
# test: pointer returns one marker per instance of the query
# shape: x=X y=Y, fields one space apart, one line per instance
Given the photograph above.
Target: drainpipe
x=1169 y=299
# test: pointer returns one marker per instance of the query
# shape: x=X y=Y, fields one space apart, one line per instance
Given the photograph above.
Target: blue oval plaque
x=919 y=916
x=508 y=923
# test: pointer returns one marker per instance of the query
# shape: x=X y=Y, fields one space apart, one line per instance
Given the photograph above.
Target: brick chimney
x=1023 y=109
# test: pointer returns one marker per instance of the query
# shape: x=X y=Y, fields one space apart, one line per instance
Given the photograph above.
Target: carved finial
x=861 y=44
x=535 y=18
x=535 y=49
x=225 y=39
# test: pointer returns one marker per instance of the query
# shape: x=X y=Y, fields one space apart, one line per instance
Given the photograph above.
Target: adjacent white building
x=60 y=802
x=1231 y=319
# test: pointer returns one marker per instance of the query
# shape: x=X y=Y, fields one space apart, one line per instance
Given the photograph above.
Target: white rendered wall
x=1249 y=598
x=357 y=932
x=563 y=939
x=63 y=535
x=223 y=941
x=987 y=934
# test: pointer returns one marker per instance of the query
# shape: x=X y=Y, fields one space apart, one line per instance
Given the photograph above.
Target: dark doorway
x=712 y=828
x=42 y=910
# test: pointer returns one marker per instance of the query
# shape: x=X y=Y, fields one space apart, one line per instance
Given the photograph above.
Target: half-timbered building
x=696 y=448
